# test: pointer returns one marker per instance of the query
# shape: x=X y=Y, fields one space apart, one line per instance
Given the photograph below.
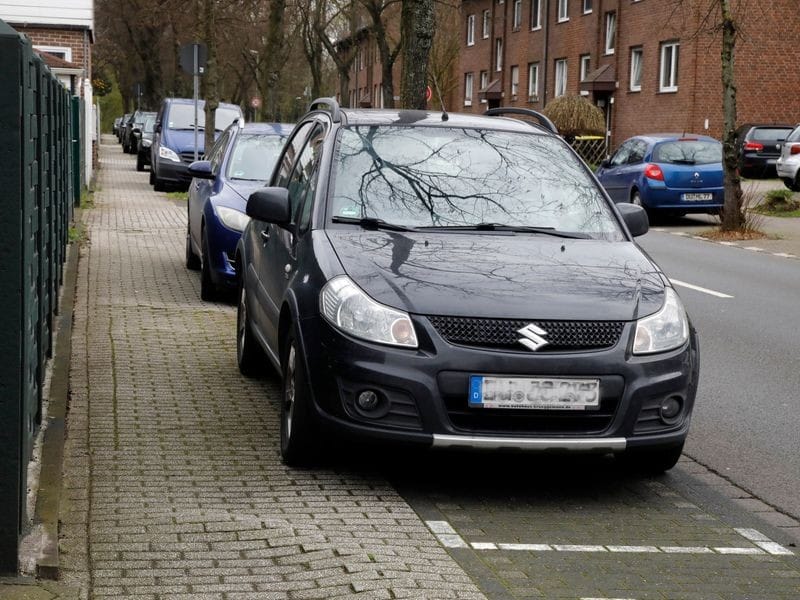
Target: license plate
x=539 y=393
x=697 y=197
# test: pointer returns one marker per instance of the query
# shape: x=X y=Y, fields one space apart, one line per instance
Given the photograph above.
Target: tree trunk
x=274 y=58
x=417 y=26
x=733 y=218
x=210 y=76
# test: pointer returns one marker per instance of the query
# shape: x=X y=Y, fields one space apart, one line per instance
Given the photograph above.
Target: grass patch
x=780 y=203
x=87 y=199
x=77 y=234
x=178 y=195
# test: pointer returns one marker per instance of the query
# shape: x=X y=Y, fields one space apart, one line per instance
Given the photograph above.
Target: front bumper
x=424 y=393
x=222 y=249
x=169 y=171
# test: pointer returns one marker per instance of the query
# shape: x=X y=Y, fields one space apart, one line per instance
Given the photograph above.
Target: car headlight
x=348 y=308
x=164 y=152
x=147 y=143
x=666 y=330
x=232 y=218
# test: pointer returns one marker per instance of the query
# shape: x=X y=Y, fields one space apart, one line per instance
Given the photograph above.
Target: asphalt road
x=746 y=423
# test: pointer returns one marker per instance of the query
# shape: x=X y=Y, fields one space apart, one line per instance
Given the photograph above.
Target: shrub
x=575 y=115
x=780 y=201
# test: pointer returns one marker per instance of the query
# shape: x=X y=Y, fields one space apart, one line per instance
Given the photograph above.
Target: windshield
x=254 y=156
x=693 y=152
x=768 y=134
x=149 y=125
x=181 y=116
x=440 y=177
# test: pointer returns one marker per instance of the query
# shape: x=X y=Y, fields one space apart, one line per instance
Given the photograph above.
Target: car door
x=262 y=241
x=201 y=190
x=611 y=175
x=630 y=172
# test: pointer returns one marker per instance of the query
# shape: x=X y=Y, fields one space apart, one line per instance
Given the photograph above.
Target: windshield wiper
x=514 y=229
x=371 y=223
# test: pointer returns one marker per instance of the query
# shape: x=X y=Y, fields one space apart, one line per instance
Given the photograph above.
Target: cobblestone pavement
x=174 y=484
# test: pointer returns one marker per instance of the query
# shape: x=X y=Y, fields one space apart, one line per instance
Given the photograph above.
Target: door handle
x=265 y=235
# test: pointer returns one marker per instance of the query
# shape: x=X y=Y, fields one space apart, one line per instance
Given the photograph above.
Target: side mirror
x=605 y=164
x=271 y=205
x=136 y=131
x=201 y=169
x=635 y=218
x=158 y=127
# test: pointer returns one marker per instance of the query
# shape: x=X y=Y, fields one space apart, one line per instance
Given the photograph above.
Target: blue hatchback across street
x=671 y=173
x=240 y=162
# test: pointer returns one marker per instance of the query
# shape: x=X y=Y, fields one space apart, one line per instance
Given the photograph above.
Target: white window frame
x=563 y=11
x=56 y=50
x=487 y=19
x=636 y=51
x=586 y=65
x=498 y=54
x=533 y=82
x=671 y=85
x=560 y=80
x=470 y=30
x=484 y=83
x=514 y=82
x=468 y=89
x=610 y=40
x=587 y=7
x=516 y=23
x=536 y=15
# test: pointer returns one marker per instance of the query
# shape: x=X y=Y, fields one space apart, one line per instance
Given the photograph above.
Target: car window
x=303 y=182
x=291 y=151
x=621 y=155
x=769 y=134
x=638 y=150
x=439 y=177
x=217 y=151
x=181 y=116
x=253 y=156
x=794 y=136
x=149 y=124
x=688 y=152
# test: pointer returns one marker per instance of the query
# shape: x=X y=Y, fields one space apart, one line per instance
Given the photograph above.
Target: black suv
x=458 y=281
x=759 y=147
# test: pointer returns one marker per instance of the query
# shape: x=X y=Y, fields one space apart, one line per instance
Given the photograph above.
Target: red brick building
x=647 y=63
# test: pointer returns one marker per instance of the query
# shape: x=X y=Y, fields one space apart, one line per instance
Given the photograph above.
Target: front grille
x=562 y=336
x=188 y=157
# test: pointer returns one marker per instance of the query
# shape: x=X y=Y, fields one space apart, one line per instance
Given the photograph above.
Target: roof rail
x=331 y=103
x=544 y=122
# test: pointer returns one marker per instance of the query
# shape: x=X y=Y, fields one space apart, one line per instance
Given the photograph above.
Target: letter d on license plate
x=531 y=393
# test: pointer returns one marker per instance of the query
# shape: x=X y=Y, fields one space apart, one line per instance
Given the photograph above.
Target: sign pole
x=196 y=72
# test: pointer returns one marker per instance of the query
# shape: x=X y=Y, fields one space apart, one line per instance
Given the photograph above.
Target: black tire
x=192 y=261
x=249 y=355
x=152 y=176
x=650 y=461
x=208 y=289
x=139 y=162
x=300 y=437
x=795 y=187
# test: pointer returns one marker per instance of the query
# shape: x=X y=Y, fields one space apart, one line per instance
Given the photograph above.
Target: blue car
x=240 y=162
x=670 y=173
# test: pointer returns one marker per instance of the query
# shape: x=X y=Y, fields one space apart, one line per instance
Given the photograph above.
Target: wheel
x=192 y=262
x=139 y=162
x=249 y=355
x=208 y=289
x=152 y=176
x=650 y=461
x=795 y=187
x=299 y=436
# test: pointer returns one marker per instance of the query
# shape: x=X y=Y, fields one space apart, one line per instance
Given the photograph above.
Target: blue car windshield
x=254 y=155
x=455 y=177
x=181 y=116
x=688 y=152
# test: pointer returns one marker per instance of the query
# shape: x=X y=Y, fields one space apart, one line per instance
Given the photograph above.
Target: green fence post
x=76 y=150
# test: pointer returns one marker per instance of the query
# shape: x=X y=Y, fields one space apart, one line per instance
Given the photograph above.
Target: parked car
x=240 y=162
x=758 y=148
x=458 y=282
x=121 y=127
x=115 y=126
x=144 y=139
x=788 y=164
x=675 y=173
x=136 y=120
x=173 y=143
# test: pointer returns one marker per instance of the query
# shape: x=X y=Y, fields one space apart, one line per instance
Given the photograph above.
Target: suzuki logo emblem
x=532 y=339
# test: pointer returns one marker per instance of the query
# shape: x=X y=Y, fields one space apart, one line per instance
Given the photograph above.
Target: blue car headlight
x=232 y=218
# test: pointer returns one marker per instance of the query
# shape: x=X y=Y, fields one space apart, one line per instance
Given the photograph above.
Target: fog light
x=367 y=400
x=671 y=408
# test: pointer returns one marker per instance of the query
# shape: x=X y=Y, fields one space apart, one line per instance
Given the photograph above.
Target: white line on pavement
x=697 y=288
x=445 y=533
x=762 y=541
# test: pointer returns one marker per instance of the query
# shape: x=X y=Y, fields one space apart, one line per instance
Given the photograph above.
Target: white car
x=788 y=164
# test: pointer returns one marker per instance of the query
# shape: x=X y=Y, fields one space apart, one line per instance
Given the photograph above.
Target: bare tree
x=417 y=26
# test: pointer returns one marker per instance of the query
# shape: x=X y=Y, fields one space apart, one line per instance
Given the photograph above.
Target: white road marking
x=579 y=548
x=526 y=547
x=632 y=549
x=738 y=551
x=686 y=550
x=445 y=533
x=754 y=535
x=763 y=542
x=483 y=546
x=784 y=255
x=608 y=598
x=754 y=248
x=697 y=288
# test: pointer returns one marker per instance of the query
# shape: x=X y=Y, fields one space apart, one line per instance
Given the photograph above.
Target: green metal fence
x=36 y=198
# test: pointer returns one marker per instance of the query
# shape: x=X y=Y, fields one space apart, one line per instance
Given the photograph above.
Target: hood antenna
x=445 y=116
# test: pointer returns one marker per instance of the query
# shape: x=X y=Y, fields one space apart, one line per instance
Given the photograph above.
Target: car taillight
x=654 y=172
x=754 y=146
x=795 y=149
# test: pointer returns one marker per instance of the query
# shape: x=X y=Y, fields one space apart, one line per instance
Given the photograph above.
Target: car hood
x=182 y=140
x=502 y=276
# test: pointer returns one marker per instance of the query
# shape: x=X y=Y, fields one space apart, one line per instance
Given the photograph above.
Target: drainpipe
x=546 y=57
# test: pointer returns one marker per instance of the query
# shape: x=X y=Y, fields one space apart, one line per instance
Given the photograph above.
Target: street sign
x=187 y=58
x=428 y=94
x=255 y=102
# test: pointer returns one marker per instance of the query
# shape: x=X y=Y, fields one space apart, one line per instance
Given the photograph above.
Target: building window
x=611 y=32
x=533 y=82
x=498 y=54
x=586 y=65
x=587 y=6
x=470 y=30
x=517 y=14
x=486 y=22
x=62 y=52
x=563 y=10
x=514 y=82
x=669 y=67
x=636 y=69
x=536 y=14
x=468 y=89
x=484 y=83
x=561 y=77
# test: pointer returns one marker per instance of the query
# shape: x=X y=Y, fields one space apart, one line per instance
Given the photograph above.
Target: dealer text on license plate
x=537 y=393
x=697 y=197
